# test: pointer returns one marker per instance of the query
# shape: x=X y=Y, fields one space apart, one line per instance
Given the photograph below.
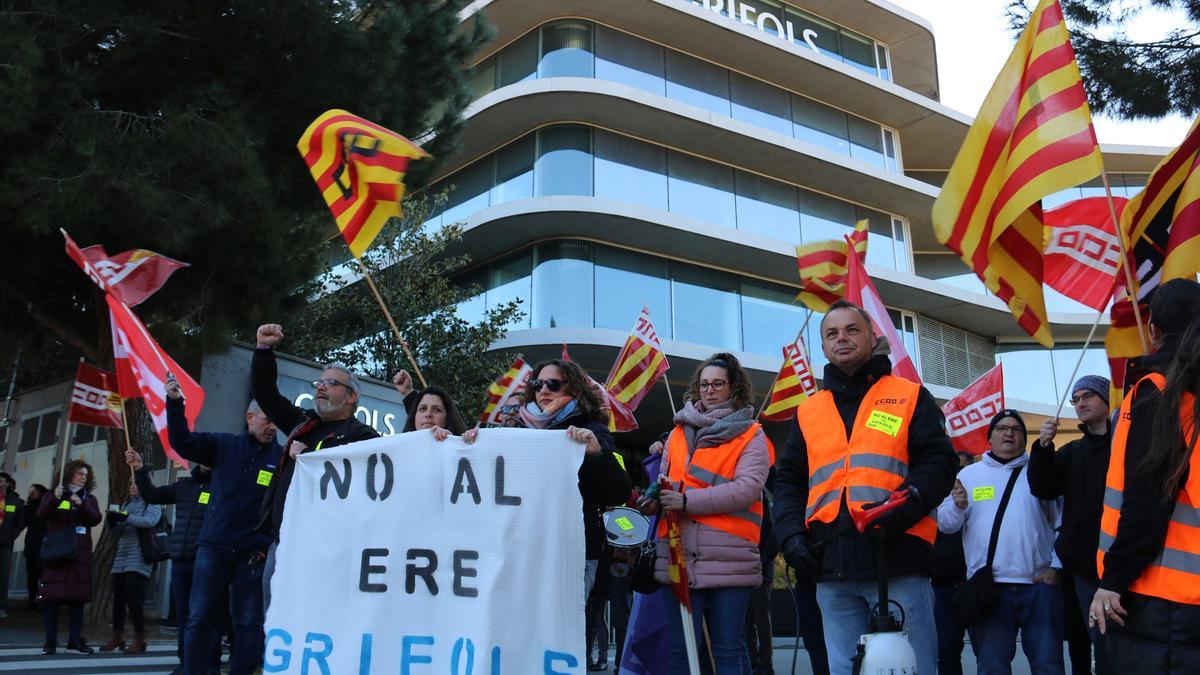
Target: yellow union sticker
x=624 y=523
x=264 y=477
x=983 y=493
x=881 y=421
x=203 y=499
x=10 y=508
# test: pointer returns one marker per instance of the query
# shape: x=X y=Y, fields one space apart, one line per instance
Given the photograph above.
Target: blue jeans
x=181 y=591
x=846 y=609
x=215 y=571
x=1035 y=609
x=949 y=632
x=724 y=610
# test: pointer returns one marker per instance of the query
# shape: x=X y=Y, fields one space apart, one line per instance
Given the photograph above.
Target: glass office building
x=672 y=153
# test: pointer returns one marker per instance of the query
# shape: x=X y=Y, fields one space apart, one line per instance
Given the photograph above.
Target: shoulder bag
x=976 y=597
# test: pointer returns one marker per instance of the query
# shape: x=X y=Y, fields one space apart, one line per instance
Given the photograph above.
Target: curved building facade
x=672 y=153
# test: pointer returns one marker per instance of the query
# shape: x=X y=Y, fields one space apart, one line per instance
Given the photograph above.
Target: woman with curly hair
x=560 y=396
x=72 y=508
x=716 y=460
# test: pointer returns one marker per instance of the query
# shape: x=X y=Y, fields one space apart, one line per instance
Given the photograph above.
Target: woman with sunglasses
x=560 y=396
x=716 y=460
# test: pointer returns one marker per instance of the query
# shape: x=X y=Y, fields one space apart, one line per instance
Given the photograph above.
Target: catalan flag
x=639 y=365
x=1033 y=137
x=793 y=384
x=359 y=168
x=1161 y=226
x=822 y=267
x=510 y=383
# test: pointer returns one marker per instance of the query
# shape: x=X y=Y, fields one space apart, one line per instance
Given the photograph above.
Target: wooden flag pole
x=670 y=398
x=1130 y=287
x=1071 y=380
x=392 y=323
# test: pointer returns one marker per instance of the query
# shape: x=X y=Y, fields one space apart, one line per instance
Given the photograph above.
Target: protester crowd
x=1093 y=541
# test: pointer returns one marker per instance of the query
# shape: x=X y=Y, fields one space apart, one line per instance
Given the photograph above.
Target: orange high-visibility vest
x=1175 y=574
x=869 y=465
x=710 y=467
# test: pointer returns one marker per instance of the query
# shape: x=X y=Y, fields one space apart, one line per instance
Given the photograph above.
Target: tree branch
x=52 y=324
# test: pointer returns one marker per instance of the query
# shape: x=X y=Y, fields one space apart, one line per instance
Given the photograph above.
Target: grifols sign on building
x=765 y=21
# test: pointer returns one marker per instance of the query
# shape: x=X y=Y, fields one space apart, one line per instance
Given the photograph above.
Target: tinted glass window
x=564 y=165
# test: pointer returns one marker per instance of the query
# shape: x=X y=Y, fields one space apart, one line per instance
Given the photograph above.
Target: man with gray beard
x=333 y=423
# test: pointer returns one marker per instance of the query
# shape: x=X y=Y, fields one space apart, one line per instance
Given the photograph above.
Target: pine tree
x=172 y=126
x=1128 y=78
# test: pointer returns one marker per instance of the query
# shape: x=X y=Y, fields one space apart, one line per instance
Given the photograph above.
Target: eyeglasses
x=553 y=385
x=1083 y=397
x=510 y=409
x=715 y=385
x=329 y=382
x=1008 y=428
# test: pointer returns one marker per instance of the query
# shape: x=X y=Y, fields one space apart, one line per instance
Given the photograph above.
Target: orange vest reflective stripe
x=710 y=467
x=869 y=465
x=1175 y=574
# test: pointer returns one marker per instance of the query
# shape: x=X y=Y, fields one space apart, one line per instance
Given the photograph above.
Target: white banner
x=407 y=555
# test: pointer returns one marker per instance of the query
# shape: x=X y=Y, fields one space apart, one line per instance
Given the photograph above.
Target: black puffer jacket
x=190 y=506
x=844 y=553
x=1076 y=472
x=290 y=419
x=602 y=481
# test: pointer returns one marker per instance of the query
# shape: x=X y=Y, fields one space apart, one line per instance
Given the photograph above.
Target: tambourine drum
x=625 y=527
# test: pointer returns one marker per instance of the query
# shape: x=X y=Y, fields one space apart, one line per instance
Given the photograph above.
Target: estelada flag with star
x=359 y=168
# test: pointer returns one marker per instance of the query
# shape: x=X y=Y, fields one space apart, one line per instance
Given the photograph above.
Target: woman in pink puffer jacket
x=720 y=454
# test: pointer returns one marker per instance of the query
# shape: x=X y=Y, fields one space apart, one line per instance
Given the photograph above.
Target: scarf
x=708 y=428
x=534 y=418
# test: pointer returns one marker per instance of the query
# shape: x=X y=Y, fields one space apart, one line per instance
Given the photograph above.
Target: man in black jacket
x=331 y=424
x=230 y=558
x=190 y=495
x=842 y=560
x=35 y=532
x=11 y=524
x=1076 y=473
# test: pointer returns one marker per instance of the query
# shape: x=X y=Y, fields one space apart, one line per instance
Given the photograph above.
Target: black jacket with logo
x=845 y=554
x=292 y=419
x=191 y=496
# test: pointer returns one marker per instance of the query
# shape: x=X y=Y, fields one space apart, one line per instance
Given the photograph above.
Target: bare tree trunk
x=143 y=438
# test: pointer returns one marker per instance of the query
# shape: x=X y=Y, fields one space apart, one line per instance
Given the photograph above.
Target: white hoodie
x=1026 y=544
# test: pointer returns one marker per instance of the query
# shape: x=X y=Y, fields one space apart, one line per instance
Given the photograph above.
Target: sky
x=973 y=41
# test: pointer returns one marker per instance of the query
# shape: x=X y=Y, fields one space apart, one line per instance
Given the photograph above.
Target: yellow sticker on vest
x=64 y=505
x=983 y=493
x=203 y=499
x=264 y=477
x=881 y=421
x=10 y=508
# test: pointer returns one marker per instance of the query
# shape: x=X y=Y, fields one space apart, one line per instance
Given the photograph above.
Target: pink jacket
x=716 y=558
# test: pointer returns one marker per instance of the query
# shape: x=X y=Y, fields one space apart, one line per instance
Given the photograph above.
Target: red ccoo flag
x=95 y=400
x=968 y=414
x=1082 y=254
x=861 y=292
x=132 y=276
x=147 y=365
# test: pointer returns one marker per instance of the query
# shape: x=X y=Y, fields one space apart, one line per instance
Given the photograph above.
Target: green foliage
x=411 y=266
x=172 y=126
x=1128 y=78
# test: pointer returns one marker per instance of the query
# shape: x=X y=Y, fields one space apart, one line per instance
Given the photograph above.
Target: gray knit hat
x=1093 y=383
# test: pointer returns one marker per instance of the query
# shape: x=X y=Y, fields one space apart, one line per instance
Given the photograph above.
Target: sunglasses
x=553 y=385
x=509 y=409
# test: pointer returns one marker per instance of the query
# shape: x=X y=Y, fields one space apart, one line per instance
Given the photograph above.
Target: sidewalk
x=23 y=628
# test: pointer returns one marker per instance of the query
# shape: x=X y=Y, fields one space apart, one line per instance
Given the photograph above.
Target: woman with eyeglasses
x=716 y=460
x=560 y=396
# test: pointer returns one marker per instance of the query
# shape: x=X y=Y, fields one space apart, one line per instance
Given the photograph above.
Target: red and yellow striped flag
x=793 y=384
x=822 y=267
x=359 y=168
x=639 y=365
x=1033 y=137
x=510 y=383
x=1161 y=227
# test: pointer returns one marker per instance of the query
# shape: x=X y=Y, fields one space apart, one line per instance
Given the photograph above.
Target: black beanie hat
x=1007 y=412
x=1174 y=304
